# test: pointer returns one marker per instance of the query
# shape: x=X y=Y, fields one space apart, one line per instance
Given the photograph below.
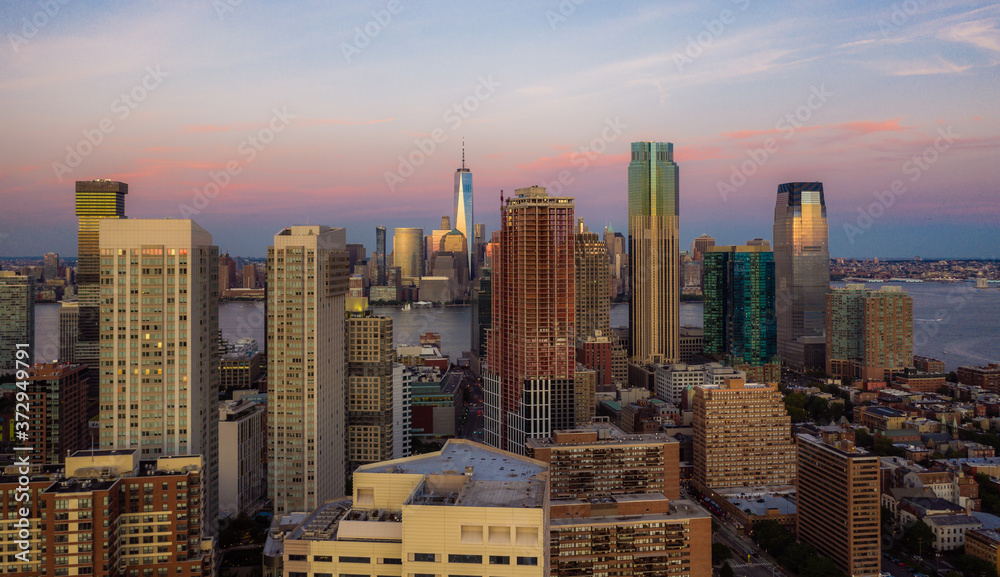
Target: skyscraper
x=838 y=501
x=307 y=277
x=51 y=266
x=478 y=248
x=869 y=333
x=529 y=382
x=370 y=358
x=742 y=436
x=408 y=251
x=380 y=252
x=593 y=306
x=700 y=245
x=69 y=330
x=159 y=385
x=654 y=254
x=739 y=316
x=57 y=407
x=463 y=207
x=17 y=318
x=95 y=200
x=802 y=274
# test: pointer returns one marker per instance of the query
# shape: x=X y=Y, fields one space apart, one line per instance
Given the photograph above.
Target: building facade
x=593 y=307
x=243 y=463
x=838 y=502
x=802 y=274
x=463 y=210
x=159 y=356
x=408 y=252
x=307 y=272
x=95 y=200
x=57 y=402
x=529 y=388
x=69 y=330
x=654 y=253
x=739 y=315
x=370 y=359
x=742 y=436
x=17 y=319
x=869 y=333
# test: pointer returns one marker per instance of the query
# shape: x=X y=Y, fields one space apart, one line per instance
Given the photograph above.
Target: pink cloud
x=244 y=126
x=574 y=161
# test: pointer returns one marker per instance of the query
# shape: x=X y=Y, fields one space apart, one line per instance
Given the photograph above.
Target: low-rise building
x=983 y=544
x=949 y=530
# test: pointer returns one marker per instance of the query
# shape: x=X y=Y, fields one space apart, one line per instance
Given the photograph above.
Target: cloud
x=981 y=33
x=247 y=126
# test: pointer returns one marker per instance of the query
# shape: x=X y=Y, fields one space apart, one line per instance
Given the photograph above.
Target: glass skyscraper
x=380 y=255
x=654 y=253
x=739 y=315
x=802 y=274
x=463 y=207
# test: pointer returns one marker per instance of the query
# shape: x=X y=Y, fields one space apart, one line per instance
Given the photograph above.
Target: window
x=392 y=561
x=527 y=560
x=424 y=557
x=344 y=559
x=323 y=558
x=499 y=560
x=296 y=557
x=465 y=558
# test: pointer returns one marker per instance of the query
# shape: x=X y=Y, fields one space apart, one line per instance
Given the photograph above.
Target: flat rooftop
x=487 y=464
x=680 y=509
x=760 y=505
x=613 y=436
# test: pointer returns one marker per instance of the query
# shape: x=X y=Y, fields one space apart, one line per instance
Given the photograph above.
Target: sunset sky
x=856 y=94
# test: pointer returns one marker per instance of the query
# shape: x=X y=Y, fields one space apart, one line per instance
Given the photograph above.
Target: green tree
x=918 y=537
x=970 y=566
x=952 y=377
x=726 y=571
x=720 y=552
x=819 y=566
x=795 y=555
x=863 y=438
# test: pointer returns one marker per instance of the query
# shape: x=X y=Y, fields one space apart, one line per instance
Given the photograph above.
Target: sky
x=250 y=116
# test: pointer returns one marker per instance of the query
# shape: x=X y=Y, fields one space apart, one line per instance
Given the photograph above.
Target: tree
x=726 y=570
x=795 y=555
x=819 y=566
x=952 y=377
x=916 y=536
x=970 y=566
x=720 y=553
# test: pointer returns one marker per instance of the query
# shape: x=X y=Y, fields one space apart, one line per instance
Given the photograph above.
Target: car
x=902 y=564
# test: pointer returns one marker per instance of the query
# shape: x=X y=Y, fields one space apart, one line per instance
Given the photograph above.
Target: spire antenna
x=463 y=153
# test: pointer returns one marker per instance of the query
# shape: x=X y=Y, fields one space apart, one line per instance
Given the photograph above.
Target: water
x=952 y=321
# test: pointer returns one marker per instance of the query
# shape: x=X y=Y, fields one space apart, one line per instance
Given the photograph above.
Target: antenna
x=463 y=153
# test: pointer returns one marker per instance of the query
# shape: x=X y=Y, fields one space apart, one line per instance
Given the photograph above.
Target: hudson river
x=951 y=321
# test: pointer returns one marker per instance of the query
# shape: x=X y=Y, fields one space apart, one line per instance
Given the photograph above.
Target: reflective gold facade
x=408 y=251
x=654 y=253
x=95 y=200
x=802 y=273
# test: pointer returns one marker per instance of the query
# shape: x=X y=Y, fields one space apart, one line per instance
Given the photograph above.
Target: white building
x=672 y=380
x=307 y=276
x=159 y=373
x=242 y=471
x=402 y=427
x=949 y=530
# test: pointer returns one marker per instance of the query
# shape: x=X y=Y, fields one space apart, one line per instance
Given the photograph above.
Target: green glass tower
x=654 y=253
x=739 y=314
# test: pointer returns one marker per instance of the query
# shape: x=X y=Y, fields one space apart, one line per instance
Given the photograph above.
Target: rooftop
x=680 y=509
x=947 y=520
x=760 y=504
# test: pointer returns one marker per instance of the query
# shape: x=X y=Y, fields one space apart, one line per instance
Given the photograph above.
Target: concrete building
x=869 y=333
x=370 y=359
x=802 y=274
x=307 y=272
x=617 y=463
x=742 y=436
x=467 y=509
x=838 y=502
x=593 y=307
x=654 y=253
x=984 y=544
x=674 y=382
x=240 y=369
x=692 y=343
x=17 y=320
x=158 y=347
x=700 y=245
x=243 y=463
x=596 y=352
x=57 y=411
x=152 y=513
x=625 y=535
x=69 y=330
x=949 y=530
x=529 y=388
x=402 y=412
x=987 y=377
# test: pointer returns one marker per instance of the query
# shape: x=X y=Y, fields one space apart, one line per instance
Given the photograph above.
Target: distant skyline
x=311 y=107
